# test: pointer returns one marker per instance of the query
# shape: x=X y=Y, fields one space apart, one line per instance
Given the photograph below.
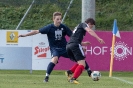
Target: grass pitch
x=23 y=79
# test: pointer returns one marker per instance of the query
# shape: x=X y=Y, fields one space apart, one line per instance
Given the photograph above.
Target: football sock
x=78 y=71
x=74 y=68
x=86 y=66
x=87 y=69
x=50 y=68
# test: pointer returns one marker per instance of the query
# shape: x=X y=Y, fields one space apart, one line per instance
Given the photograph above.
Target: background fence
x=40 y=14
x=11 y=12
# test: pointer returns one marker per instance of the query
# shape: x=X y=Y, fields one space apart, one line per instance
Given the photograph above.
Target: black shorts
x=75 y=52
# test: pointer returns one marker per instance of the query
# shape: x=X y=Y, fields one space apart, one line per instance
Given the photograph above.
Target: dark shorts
x=59 y=52
x=75 y=52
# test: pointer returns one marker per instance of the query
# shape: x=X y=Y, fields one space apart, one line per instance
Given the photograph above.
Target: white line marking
x=123 y=80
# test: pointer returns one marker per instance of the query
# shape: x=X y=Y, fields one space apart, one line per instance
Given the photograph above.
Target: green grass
x=23 y=79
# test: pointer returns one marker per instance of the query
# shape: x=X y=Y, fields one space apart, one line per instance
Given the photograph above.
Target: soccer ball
x=95 y=75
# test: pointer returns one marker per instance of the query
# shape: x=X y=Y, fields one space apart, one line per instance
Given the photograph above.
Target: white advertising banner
x=9 y=38
x=18 y=58
x=15 y=53
x=41 y=55
x=31 y=52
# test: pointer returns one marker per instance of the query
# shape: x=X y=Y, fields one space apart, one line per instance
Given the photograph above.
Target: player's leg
x=78 y=71
x=51 y=65
x=69 y=73
x=87 y=68
x=72 y=70
x=70 y=55
x=78 y=56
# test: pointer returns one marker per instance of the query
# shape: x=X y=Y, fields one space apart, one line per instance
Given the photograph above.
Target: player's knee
x=54 y=60
x=82 y=62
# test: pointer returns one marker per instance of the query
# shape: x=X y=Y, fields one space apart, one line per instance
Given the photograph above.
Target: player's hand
x=101 y=41
x=21 y=36
x=86 y=43
x=84 y=49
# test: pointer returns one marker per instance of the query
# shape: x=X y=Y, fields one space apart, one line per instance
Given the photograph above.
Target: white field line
x=125 y=81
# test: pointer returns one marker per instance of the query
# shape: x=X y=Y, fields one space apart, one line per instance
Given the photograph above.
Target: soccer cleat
x=68 y=74
x=89 y=73
x=46 y=79
x=73 y=81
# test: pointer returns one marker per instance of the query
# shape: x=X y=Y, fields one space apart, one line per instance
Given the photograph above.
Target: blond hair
x=57 y=14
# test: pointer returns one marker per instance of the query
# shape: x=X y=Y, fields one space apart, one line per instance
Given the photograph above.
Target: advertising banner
x=33 y=52
x=98 y=55
x=15 y=58
x=15 y=53
x=37 y=47
x=41 y=55
x=9 y=38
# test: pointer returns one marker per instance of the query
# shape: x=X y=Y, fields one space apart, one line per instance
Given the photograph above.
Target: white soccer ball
x=95 y=75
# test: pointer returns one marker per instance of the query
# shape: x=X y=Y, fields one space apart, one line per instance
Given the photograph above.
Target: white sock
x=47 y=74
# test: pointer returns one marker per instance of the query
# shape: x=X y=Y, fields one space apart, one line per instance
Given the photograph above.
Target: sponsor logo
x=121 y=50
x=12 y=37
x=41 y=50
x=41 y=43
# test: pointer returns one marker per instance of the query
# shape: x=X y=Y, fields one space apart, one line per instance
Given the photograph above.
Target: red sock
x=78 y=71
x=74 y=67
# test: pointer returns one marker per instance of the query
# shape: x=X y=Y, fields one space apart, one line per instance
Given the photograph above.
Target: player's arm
x=85 y=43
x=84 y=49
x=29 y=34
x=68 y=31
x=91 y=32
